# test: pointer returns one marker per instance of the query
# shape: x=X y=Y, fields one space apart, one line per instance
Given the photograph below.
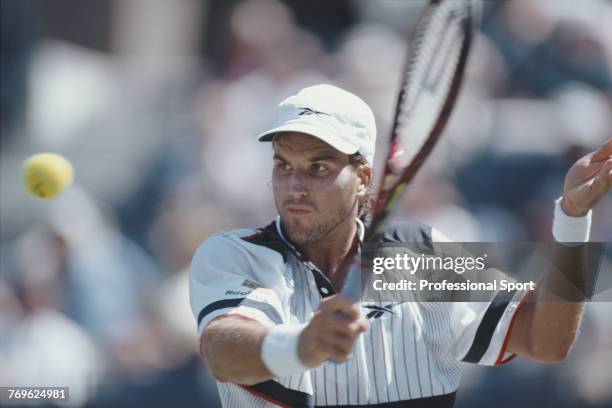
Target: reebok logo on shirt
x=378 y=311
x=234 y=292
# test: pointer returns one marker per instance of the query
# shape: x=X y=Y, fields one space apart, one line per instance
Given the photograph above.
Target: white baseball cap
x=337 y=117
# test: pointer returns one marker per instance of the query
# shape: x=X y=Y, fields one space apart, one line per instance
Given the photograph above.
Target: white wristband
x=279 y=351
x=567 y=229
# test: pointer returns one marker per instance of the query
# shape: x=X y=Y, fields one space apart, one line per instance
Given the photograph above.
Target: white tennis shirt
x=410 y=357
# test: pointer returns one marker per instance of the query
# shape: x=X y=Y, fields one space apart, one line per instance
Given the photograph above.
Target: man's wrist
x=569 y=229
x=569 y=210
x=279 y=350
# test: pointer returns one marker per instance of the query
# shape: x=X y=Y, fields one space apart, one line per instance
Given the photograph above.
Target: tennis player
x=265 y=299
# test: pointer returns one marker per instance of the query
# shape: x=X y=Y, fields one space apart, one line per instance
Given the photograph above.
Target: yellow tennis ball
x=47 y=174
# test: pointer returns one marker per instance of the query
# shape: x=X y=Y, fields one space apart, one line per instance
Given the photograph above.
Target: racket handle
x=351 y=289
x=352 y=283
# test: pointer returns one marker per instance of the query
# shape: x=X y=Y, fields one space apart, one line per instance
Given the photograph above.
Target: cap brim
x=329 y=137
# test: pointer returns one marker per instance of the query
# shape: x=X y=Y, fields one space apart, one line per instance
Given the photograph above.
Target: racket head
x=431 y=80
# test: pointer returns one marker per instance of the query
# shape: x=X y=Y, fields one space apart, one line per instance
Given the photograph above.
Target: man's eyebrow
x=320 y=157
x=323 y=157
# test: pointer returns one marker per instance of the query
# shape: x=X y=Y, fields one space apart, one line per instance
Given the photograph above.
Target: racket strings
x=430 y=70
x=430 y=79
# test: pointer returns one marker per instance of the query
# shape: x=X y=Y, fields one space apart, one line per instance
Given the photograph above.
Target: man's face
x=315 y=186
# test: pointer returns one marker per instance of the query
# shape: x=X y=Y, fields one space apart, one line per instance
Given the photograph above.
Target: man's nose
x=298 y=185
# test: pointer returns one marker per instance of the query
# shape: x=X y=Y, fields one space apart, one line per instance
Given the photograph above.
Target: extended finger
x=342 y=342
x=334 y=303
x=330 y=348
x=339 y=355
x=596 y=187
x=604 y=152
x=589 y=169
x=341 y=348
x=335 y=322
x=603 y=180
x=351 y=312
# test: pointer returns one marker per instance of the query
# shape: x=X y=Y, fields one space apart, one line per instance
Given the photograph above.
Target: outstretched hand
x=587 y=181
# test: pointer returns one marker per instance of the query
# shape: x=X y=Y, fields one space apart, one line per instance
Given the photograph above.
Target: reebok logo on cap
x=308 y=111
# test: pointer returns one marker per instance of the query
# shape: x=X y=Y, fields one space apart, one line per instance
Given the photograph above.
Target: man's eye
x=283 y=166
x=319 y=168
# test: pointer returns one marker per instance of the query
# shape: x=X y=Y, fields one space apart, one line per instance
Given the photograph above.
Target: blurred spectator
x=19 y=29
x=41 y=346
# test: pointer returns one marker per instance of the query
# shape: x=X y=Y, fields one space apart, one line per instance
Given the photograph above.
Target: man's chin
x=297 y=231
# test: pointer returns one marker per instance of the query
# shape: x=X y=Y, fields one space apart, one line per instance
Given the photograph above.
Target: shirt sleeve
x=481 y=330
x=224 y=279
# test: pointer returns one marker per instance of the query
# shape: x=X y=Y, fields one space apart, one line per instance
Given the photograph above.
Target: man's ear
x=365 y=174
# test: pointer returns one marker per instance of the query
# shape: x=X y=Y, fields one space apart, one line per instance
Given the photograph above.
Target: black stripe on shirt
x=266 y=308
x=219 y=304
x=438 y=401
x=485 y=331
x=277 y=393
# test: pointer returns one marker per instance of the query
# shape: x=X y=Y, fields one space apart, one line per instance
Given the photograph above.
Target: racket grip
x=352 y=284
x=351 y=288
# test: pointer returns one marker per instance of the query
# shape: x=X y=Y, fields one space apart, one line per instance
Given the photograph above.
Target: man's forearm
x=231 y=346
x=551 y=319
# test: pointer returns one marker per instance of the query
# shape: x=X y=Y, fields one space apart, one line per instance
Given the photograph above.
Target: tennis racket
x=431 y=79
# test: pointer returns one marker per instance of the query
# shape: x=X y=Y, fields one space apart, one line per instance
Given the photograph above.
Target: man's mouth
x=297 y=209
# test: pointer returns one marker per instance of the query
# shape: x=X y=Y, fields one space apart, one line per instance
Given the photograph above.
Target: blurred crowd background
x=157 y=103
